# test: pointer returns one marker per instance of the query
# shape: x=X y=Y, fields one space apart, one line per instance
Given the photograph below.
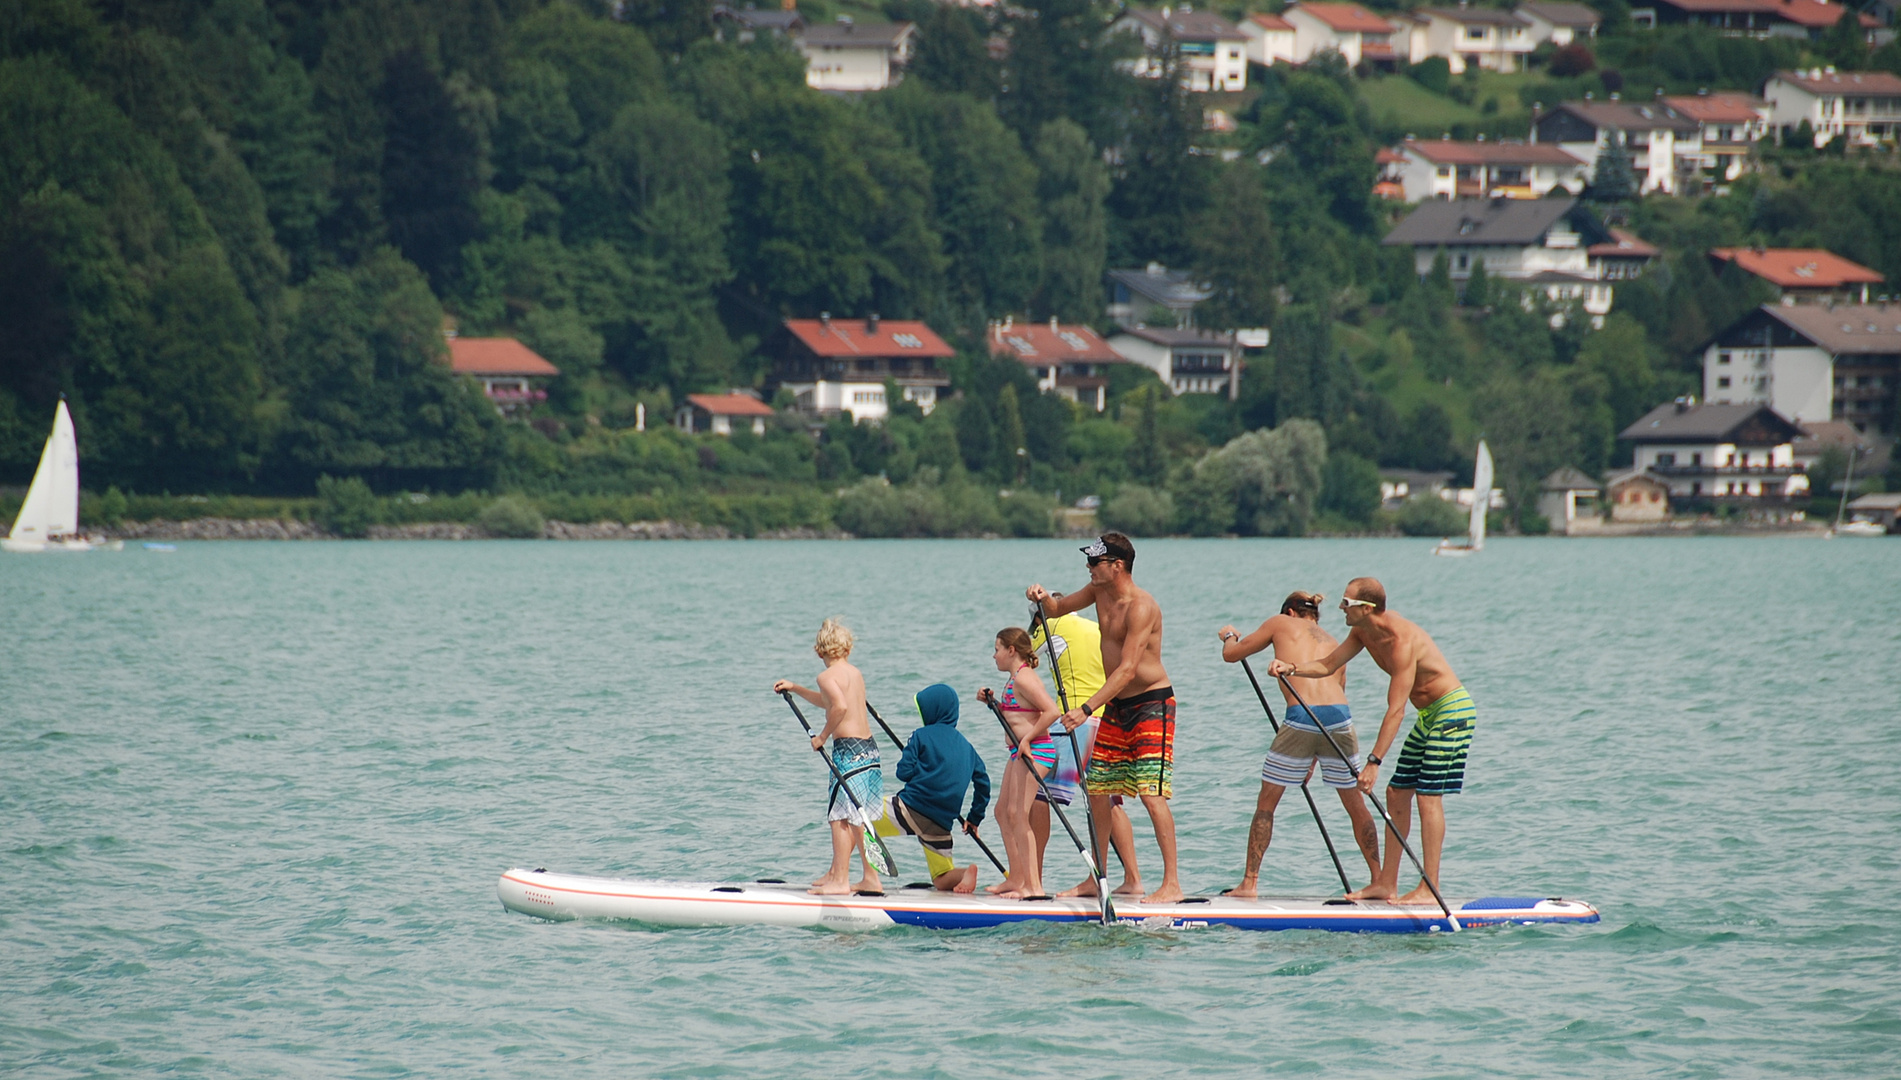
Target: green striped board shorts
x=1433 y=760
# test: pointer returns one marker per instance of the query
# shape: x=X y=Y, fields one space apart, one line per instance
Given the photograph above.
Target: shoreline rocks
x=212 y=528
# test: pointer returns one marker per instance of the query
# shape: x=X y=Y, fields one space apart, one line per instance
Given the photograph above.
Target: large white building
x=1348 y=29
x=1718 y=452
x=1811 y=363
x=1489 y=38
x=1189 y=361
x=848 y=55
x=1862 y=106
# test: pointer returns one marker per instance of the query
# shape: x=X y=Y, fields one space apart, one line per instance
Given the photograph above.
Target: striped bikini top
x=1009 y=699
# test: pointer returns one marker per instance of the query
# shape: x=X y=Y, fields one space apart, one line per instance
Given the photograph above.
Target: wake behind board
x=771 y=903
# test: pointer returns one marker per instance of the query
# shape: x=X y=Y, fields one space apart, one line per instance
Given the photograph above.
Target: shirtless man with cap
x=1134 y=755
x=1431 y=764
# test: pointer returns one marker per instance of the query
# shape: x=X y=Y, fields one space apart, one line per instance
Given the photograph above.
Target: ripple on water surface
x=259 y=795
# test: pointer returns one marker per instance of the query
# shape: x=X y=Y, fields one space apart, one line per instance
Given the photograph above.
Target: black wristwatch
x=1374 y=759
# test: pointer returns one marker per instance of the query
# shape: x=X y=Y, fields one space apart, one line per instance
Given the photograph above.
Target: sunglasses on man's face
x=1350 y=603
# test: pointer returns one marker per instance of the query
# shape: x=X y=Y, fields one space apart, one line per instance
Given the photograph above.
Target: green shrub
x=111 y=507
x=1429 y=515
x=511 y=517
x=1028 y=513
x=1139 y=511
x=1532 y=523
x=1350 y=487
x=346 y=506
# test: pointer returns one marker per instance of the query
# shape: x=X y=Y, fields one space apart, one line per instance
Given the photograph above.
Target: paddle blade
x=1108 y=903
x=875 y=843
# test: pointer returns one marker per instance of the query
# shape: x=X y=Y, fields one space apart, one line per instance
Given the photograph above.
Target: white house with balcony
x=1348 y=29
x=1811 y=363
x=1445 y=169
x=1863 y=107
x=1732 y=453
x=853 y=56
x=1732 y=126
x=1491 y=39
x=1543 y=244
x=1210 y=51
x=1189 y=361
x=1653 y=133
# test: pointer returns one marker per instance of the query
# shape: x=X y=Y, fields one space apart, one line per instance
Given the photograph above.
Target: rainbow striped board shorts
x=1135 y=746
x=1433 y=760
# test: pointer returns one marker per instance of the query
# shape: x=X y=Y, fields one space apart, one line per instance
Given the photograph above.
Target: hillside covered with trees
x=231 y=232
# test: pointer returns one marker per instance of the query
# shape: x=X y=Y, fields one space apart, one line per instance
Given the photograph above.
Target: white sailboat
x=1851 y=528
x=49 y=518
x=1481 y=502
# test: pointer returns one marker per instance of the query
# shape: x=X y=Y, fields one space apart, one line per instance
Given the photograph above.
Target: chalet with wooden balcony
x=1071 y=361
x=839 y=366
x=1718 y=452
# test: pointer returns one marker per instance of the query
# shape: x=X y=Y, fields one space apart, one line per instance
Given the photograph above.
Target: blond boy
x=841 y=693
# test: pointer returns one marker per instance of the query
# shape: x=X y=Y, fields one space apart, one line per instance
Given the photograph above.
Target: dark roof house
x=1686 y=422
x=1494 y=223
x=1133 y=294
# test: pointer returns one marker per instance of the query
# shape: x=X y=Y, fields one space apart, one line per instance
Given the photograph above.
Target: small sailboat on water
x=1481 y=502
x=49 y=518
x=1851 y=528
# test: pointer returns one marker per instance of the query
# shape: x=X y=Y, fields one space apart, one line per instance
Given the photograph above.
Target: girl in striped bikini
x=1030 y=711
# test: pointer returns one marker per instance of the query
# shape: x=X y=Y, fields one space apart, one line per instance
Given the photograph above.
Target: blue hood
x=937 y=704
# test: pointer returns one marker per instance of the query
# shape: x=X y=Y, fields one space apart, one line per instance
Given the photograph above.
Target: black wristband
x=1374 y=759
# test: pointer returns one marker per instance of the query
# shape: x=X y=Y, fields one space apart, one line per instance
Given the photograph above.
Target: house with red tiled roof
x=1270 y=39
x=1445 y=169
x=1863 y=107
x=1806 y=19
x=1348 y=29
x=835 y=366
x=719 y=413
x=1732 y=126
x=1070 y=360
x=510 y=373
x=1803 y=275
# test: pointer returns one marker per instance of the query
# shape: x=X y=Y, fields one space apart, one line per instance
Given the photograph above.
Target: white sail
x=1481 y=495
x=51 y=508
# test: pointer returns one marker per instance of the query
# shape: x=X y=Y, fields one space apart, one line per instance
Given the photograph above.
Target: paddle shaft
x=899 y=743
x=1076 y=751
x=871 y=834
x=1431 y=886
x=1271 y=722
x=1089 y=857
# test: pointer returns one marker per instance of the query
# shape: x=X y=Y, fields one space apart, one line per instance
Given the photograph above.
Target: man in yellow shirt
x=1078 y=673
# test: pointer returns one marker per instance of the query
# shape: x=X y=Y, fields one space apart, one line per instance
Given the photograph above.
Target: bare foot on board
x=868 y=883
x=1087 y=888
x=1167 y=894
x=1420 y=895
x=1244 y=891
x=1375 y=891
x=830 y=887
x=1129 y=887
x=969 y=883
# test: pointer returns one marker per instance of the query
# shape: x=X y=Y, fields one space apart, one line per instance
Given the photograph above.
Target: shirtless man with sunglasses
x=1431 y=764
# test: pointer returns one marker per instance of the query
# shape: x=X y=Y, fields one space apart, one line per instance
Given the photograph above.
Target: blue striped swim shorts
x=1433 y=760
x=1300 y=744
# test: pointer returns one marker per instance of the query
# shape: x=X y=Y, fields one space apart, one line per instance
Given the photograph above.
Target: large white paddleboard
x=776 y=903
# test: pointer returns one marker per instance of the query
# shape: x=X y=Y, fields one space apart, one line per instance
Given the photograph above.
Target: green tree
x=1319 y=142
x=1146 y=458
x=1350 y=487
x=367 y=390
x=1263 y=483
x=1072 y=187
x=983 y=189
x=976 y=435
x=1164 y=186
x=1612 y=178
x=1013 y=457
x=1236 y=252
x=1478 y=286
x=953 y=51
x=432 y=167
x=1531 y=424
x=1062 y=66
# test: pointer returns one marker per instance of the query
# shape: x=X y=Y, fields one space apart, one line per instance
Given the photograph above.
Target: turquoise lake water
x=256 y=798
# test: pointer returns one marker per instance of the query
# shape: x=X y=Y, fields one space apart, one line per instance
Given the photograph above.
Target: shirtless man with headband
x=1296 y=635
x=1134 y=753
x=1431 y=764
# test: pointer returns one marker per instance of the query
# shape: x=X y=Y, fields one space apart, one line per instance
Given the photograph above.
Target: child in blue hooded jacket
x=937 y=766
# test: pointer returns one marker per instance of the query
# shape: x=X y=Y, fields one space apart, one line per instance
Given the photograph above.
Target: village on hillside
x=924 y=268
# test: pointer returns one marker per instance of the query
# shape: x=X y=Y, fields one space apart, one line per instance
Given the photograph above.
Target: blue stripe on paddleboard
x=1493 y=903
